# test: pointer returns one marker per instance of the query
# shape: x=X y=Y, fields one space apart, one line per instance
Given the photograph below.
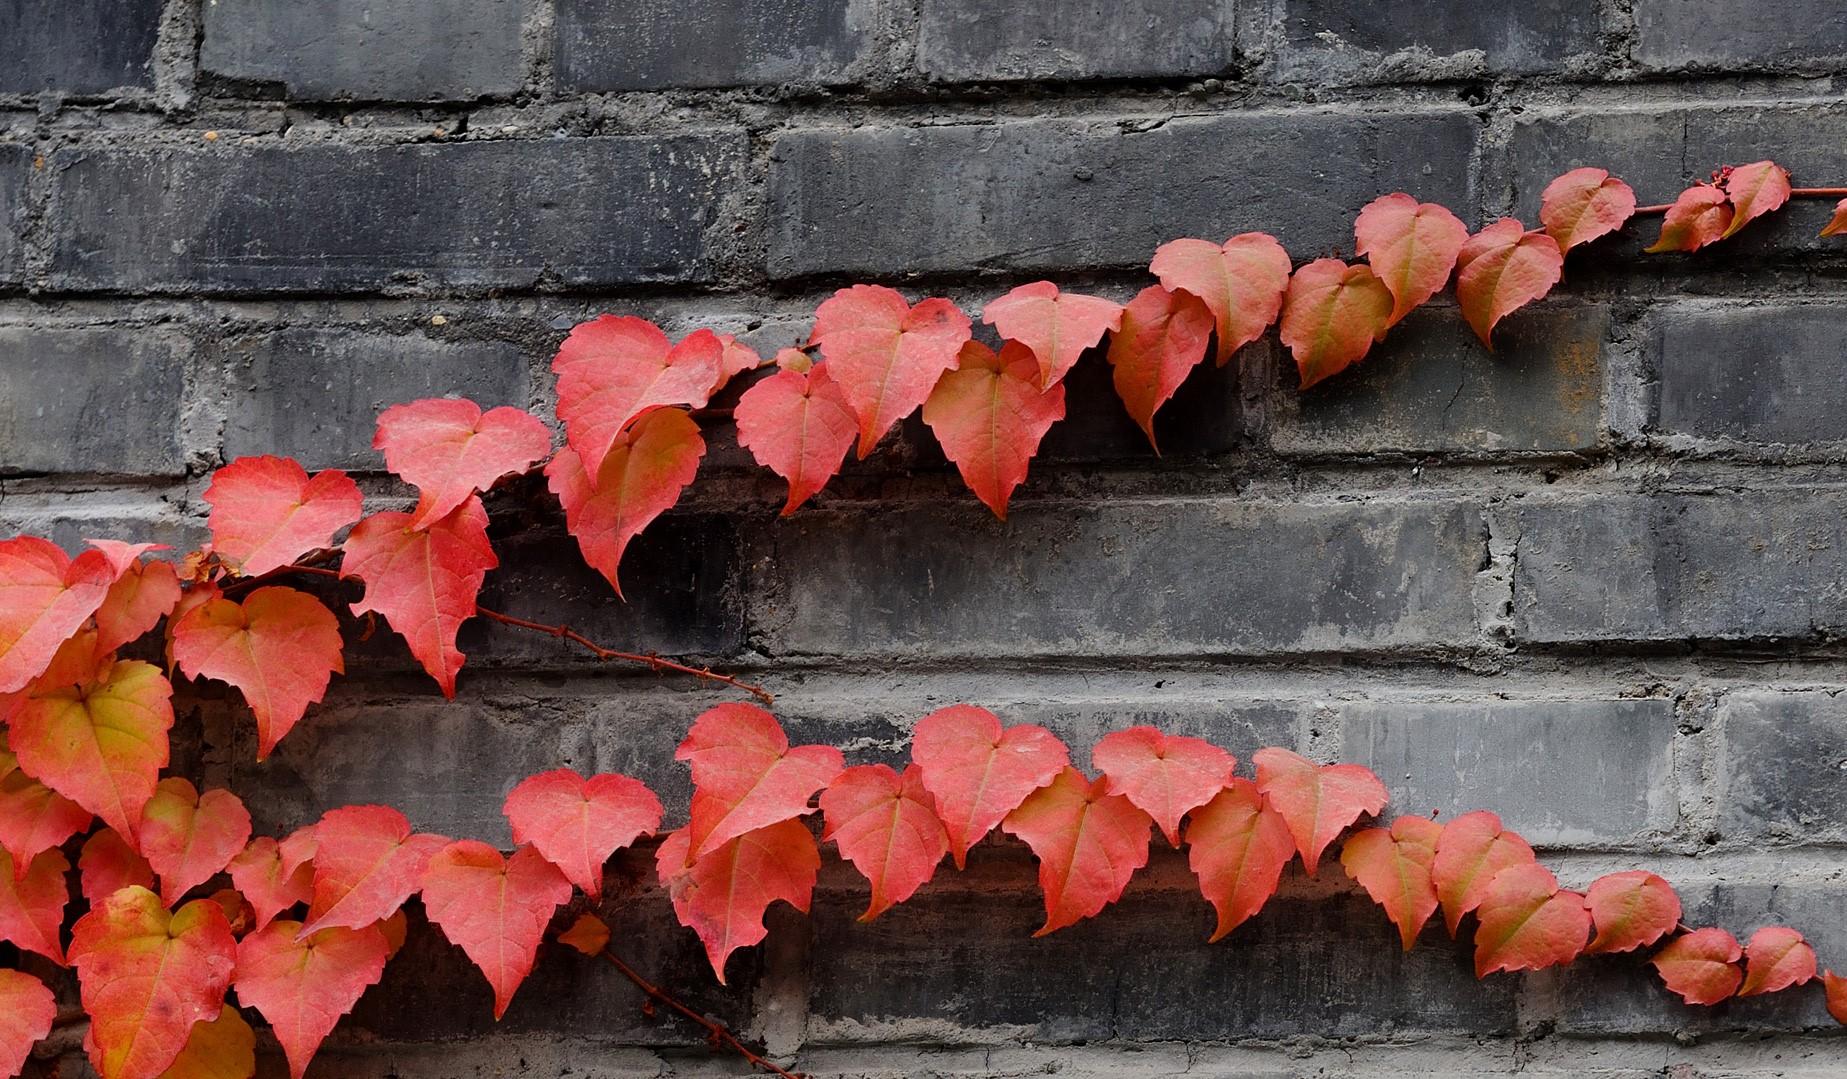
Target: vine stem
x=715 y=1031
x=1794 y=193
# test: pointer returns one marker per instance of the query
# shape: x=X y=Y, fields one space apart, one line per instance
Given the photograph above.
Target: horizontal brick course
x=1782 y=763
x=1751 y=373
x=1801 y=35
x=1333 y=39
x=975 y=40
x=659 y=44
x=91 y=399
x=77 y=46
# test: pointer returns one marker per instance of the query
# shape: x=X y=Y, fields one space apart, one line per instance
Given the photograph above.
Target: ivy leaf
x=101 y=744
x=32 y=903
x=45 y=596
x=1241 y=281
x=495 y=909
x=266 y=512
x=1503 y=268
x=589 y=934
x=33 y=817
x=423 y=582
x=886 y=825
x=1775 y=959
x=266 y=883
x=1317 y=801
x=1528 y=922
x=577 y=823
x=1393 y=865
x=1238 y=846
x=1836 y=987
x=722 y=896
x=225 y=1048
x=1163 y=337
x=1701 y=966
x=734 y=358
x=1630 y=910
x=108 y=864
x=147 y=976
x=885 y=354
x=189 y=837
x=303 y=985
x=613 y=370
x=1332 y=314
x=1053 y=327
x=1701 y=215
x=1836 y=225
x=1754 y=190
x=746 y=776
x=646 y=468
x=143 y=592
x=1166 y=777
x=797 y=424
x=366 y=864
x=1473 y=848
x=978 y=773
x=1584 y=204
x=448 y=449
x=1089 y=844
x=279 y=647
x=989 y=415
x=27 y=1010
x=1411 y=246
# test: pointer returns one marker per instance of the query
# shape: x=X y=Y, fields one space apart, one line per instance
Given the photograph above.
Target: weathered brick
x=77 y=46
x=1747 y=372
x=1333 y=39
x=1733 y=35
x=15 y=167
x=407 y=50
x=961 y=40
x=91 y=399
x=1782 y=765
x=1050 y=194
x=661 y=44
x=68 y=522
x=508 y=214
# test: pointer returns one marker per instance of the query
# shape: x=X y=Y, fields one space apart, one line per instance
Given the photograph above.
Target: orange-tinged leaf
x=1332 y=314
x=978 y=773
x=303 y=985
x=423 y=582
x=143 y=592
x=366 y=864
x=260 y=876
x=1163 y=337
x=1165 y=776
x=577 y=823
x=45 y=596
x=1698 y=217
x=722 y=897
x=101 y=744
x=1701 y=966
x=646 y=468
x=189 y=837
x=1775 y=959
x=1089 y=843
x=1241 y=281
x=267 y=512
x=1630 y=910
x=885 y=354
x=1237 y=846
x=1836 y=225
x=1473 y=848
x=1053 y=327
x=27 y=1010
x=1836 y=987
x=797 y=424
x=147 y=976
x=612 y=370
x=1503 y=268
x=1411 y=246
x=886 y=825
x=237 y=910
x=589 y=934
x=224 y=1048
x=279 y=647
x=1584 y=204
x=734 y=358
x=108 y=864
x=33 y=817
x=32 y=904
x=746 y=776
x=1528 y=922
x=448 y=449
x=1393 y=865
x=1318 y=801
x=495 y=909
x=1754 y=190
x=989 y=415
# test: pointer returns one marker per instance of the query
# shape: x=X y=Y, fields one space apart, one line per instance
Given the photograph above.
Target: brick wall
x=1594 y=581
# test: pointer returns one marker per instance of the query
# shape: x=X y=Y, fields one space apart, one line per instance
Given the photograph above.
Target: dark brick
x=15 y=167
x=1733 y=35
x=1324 y=39
x=1060 y=194
x=91 y=399
x=67 y=522
x=509 y=214
x=660 y=44
x=407 y=50
x=960 y=40
x=1756 y=374
x=1782 y=765
x=77 y=46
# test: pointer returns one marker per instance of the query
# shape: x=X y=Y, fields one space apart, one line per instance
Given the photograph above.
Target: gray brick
x=77 y=46
x=500 y=214
x=1732 y=35
x=661 y=44
x=1335 y=39
x=1783 y=766
x=1052 y=194
x=91 y=399
x=15 y=167
x=1506 y=756
x=1431 y=387
x=1751 y=373
x=963 y=40
x=407 y=50
x=67 y=522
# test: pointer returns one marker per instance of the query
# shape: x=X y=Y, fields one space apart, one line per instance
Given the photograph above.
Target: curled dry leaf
x=589 y=934
x=1698 y=217
x=1837 y=224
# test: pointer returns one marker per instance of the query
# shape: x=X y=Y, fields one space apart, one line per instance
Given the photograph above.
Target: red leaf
x=577 y=823
x=304 y=985
x=33 y=817
x=424 y=583
x=108 y=864
x=148 y=976
x=886 y=825
x=1528 y=923
x=1393 y=865
x=1242 y=282
x=496 y=909
x=279 y=647
x=448 y=449
x=977 y=773
x=1503 y=268
x=1318 y=801
x=32 y=904
x=27 y=1010
x=1631 y=910
x=1054 y=328
x=734 y=358
x=1701 y=966
x=1584 y=204
x=1089 y=843
x=589 y=934
x=989 y=415
x=1472 y=849
x=1332 y=314
x=143 y=592
x=266 y=512
x=101 y=744
x=222 y=1048
x=1237 y=846
x=259 y=873
x=1775 y=959
x=647 y=467
x=885 y=354
x=1411 y=246
x=745 y=775
x=366 y=864
x=1163 y=337
x=722 y=897
x=1166 y=777
x=45 y=596
x=1754 y=190
x=1698 y=217
x=797 y=424
x=189 y=837
x=612 y=370
x=1836 y=225
x=1836 y=987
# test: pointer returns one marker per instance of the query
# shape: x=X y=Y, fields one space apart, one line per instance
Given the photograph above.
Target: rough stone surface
x=1748 y=373
x=1736 y=35
x=15 y=167
x=1780 y=765
x=657 y=44
x=79 y=399
x=77 y=46
x=973 y=40
x=1375 y=42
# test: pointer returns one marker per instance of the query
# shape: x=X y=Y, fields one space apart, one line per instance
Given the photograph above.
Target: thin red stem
x=1794 y=193
x=715 y=1031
